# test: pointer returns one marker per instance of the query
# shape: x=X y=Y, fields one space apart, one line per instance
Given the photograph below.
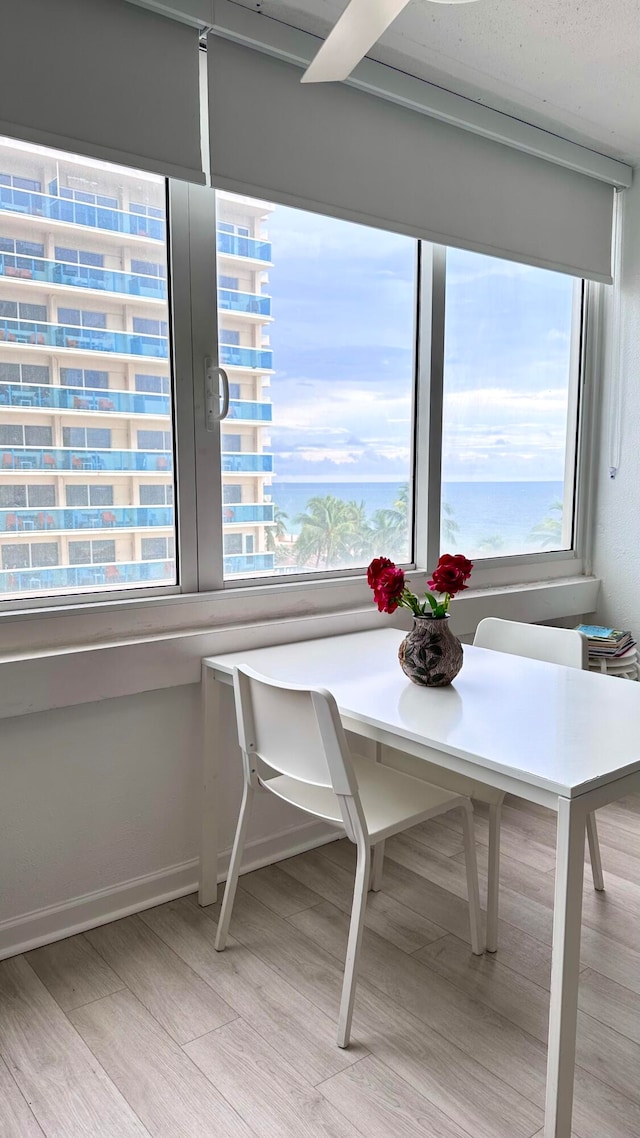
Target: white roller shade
x=337 y=150
x=102 y=78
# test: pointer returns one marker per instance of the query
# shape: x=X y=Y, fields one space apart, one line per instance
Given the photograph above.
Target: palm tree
x=332 y=532
x=276 y=532
x=491 y=544
x=449 y=527
x=548 y=532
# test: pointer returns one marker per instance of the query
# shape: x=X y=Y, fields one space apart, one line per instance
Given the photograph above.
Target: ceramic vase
x=430 y=654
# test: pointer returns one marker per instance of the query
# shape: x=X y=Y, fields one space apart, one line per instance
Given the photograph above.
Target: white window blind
x=341 y=151
x=102 y=78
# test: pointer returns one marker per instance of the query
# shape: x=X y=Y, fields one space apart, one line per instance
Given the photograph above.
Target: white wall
x=617 y=518
x=99 y=810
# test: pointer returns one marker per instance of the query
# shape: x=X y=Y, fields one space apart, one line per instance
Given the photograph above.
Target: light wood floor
x=140 y=1028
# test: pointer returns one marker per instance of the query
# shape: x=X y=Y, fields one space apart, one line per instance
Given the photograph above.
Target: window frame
x=193 y=334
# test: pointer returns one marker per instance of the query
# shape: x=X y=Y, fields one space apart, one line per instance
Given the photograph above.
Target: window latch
x=217 y=394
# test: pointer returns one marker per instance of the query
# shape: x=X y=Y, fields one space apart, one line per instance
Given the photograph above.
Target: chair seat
x=391 y=800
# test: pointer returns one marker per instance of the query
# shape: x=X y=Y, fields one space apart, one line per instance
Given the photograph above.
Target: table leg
x=377 y=859
x=565 y=968
x=208 y=889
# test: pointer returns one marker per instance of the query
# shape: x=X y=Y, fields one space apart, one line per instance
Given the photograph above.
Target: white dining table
x=564 y=738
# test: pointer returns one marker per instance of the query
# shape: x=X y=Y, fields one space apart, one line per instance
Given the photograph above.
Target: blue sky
x=343 y=335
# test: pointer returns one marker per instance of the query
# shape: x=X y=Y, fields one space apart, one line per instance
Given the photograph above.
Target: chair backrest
x=295 y=731
x=536 y=641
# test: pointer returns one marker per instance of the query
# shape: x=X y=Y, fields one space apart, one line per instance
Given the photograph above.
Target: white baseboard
x=43 y=926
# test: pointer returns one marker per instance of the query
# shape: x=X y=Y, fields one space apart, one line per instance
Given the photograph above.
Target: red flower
x=451 y=573
x=388 y=588
x=377 y=566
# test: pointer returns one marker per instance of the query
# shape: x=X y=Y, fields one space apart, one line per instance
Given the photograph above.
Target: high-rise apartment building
x=86 y=439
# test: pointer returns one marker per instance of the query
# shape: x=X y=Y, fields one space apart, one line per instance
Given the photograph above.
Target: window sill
x=69 y=657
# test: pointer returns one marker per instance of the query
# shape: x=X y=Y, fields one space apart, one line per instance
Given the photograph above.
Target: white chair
x=293 y=744
x=555 y=646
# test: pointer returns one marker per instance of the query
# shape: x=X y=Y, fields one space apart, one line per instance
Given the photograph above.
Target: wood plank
x=460 y=1086
x=303 y=1034
x=16 y=1120
x=74 y=972
x=163 y=1086
x=173 y=993
x=610 y=1003
x=381 y=1104
x=278 y=891
x=386 y=916
x=603 y=1052
x=600 y=1110
x=69 y=1094
x=263 y=1088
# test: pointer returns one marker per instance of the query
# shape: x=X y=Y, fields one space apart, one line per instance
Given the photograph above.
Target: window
x=153 y=383
x=156 y=548
x=39 y=554
x=508 y=440
x=80 y=318
x=150 y=327
x=154 y=440
x=228 y=282
x=19 y=497
x=12 y=310
x=91 y=552
x=156 y=495
x=24 y=373
x=149 y=268
x=79 y=377
x=30 y=436
x=89 y=495
x=78 y=257
x=228 y=336
x=98 y=437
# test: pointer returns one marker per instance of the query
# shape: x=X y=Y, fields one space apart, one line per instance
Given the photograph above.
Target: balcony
x=77 y=460
x=230 y=300
x=81 y=276
x=234 y=356
x=99 y=399
x=250 y=411
x=247 y=513
x=84 y=339
x=248 y=563
x=56 y=208
x=247 y=463
x=73 y=577
x=236 y=246
x=88 y=517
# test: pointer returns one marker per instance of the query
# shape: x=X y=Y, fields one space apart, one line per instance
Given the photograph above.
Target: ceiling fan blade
x=359 y=27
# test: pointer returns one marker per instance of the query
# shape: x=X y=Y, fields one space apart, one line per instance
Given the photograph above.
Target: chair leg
x=473 y=891
x=356 y=928
x=594 y=851
x=375 y=884
x=493 y=880
x=234 y=867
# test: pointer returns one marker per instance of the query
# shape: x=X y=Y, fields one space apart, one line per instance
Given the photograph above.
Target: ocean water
x=493 y=518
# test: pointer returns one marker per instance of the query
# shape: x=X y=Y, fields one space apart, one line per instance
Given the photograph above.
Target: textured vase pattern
x=430 y=654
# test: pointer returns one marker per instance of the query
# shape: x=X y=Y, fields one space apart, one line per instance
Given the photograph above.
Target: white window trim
x=167 y=610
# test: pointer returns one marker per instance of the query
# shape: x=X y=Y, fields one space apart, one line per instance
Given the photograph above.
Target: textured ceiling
x=570 y=66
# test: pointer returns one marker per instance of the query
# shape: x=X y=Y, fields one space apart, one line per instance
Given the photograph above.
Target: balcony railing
x=234 y=356
x=248 y=563
x=84 y=339
x=245 y=409
x=247 y=513
x=72 y=577
x=80 y=213
x=74 y=458
x=237 y=246
x=247 y=463
x=98 y=399
x=230 y=300
x=86 y=517
x=81 y=276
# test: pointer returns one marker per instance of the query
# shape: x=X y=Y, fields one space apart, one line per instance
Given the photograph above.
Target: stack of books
x=611 y=650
